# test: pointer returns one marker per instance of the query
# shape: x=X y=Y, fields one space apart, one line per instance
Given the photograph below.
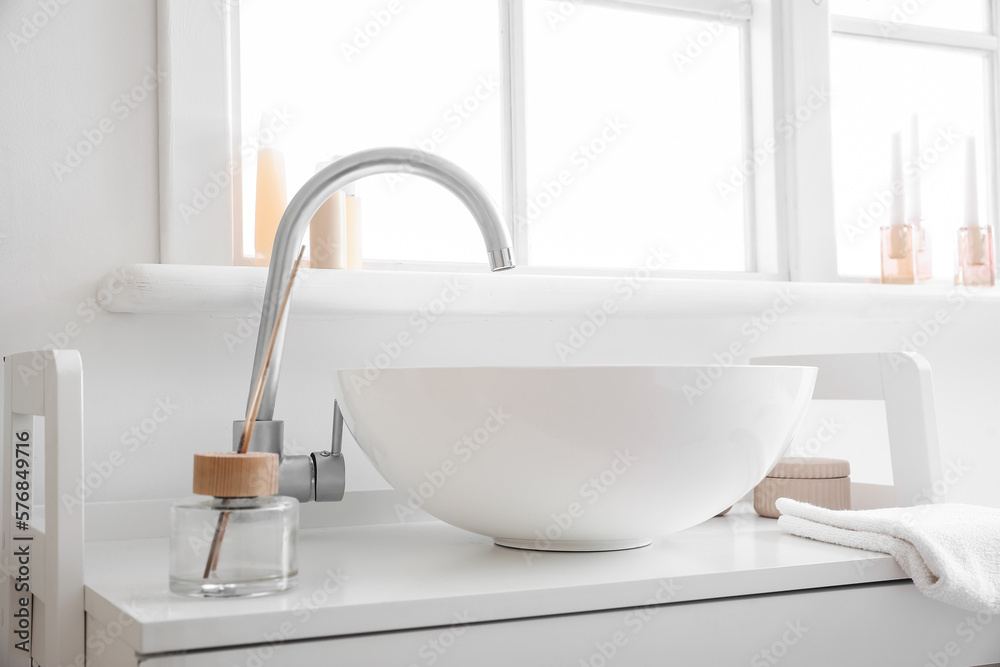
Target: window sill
x=238 y=291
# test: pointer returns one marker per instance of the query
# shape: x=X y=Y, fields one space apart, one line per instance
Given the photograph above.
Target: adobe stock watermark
x=784 y=129
x=247 y=326
x=101 y=637
x=930 y=327
x=901 y=14
x=881 y=199
x=752 y=330
x=594 y=320
x=580 y=160
x=698 y=44
x=373 y=27
x=463 y=451
x=35 y=22
x=779 y=648
x=419 y=322
x=302 y=612
x=137 y=435
x=589 y=493
x=216 y=182
x=635 y=621
x=122 y=108
x=558 y=13
x=458 y=114
x=921 y=502
x=967 y=631
x=435 y=648
x=828 y=429
x=85 y=313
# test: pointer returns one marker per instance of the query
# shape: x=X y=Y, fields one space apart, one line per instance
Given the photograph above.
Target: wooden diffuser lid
x=233 y=475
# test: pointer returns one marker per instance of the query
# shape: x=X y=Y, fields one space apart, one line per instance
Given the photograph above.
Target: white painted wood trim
x=727 y=9
x=751 y=236
x=905 y=32
x=769 y=228
x=235 y=130
x=805 y=162
x=992 y=138
x=513 y=136
x=237 y=291
x=195 y=136
x=53 y=390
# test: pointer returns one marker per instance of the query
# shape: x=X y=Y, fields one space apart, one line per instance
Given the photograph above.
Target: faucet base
x=267 y=436
x=330 y=476
x=318 y=476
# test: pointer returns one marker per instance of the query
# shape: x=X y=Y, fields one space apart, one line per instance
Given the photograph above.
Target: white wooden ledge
x=171 y=288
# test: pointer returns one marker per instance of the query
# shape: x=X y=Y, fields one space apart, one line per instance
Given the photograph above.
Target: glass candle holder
x=236 y=540
x=976 y=265
x=923 y=243
x=899 y=257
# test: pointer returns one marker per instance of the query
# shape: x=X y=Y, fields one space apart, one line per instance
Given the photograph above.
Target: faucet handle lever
x=329 y=465
x=338 y=430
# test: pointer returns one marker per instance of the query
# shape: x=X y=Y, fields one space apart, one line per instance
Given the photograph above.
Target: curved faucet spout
x=334 y=177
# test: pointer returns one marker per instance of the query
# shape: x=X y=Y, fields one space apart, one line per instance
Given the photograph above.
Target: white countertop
x=390 y=577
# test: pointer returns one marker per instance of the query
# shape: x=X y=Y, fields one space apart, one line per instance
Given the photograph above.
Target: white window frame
x=791 y=229
x=985 y=43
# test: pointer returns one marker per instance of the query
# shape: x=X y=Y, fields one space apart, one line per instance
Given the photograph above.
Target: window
x=740 y=138
x=625 y=142
x=365 y=74
x=887 y=73
x=618 y=123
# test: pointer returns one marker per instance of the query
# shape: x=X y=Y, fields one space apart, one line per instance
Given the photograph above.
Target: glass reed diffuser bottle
x=236 y=538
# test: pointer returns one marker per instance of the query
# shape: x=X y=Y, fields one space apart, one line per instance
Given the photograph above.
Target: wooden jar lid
x=232 y=475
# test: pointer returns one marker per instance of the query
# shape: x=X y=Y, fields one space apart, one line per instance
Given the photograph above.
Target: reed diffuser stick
x=252 y=409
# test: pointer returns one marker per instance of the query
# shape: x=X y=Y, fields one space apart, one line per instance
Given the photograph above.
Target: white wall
x=62 y=236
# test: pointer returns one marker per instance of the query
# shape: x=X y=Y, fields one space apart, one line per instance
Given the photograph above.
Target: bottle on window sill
x=898 y=242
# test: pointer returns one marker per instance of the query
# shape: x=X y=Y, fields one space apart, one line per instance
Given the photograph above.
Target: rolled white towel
x=951 y=551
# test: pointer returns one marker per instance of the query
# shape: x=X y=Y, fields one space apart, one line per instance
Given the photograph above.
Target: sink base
x=571 y=545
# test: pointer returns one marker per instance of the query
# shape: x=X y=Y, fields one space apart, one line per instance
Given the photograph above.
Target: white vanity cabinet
x=733 y=591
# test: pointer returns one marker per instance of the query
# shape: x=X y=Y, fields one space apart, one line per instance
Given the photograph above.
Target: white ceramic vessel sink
x=575 y=458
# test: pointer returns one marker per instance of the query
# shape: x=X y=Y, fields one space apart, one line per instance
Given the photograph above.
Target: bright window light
x=634 y=119
x=876 y=86
x=356 y=75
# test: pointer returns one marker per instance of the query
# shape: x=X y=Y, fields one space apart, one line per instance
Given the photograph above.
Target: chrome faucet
x=320 y=475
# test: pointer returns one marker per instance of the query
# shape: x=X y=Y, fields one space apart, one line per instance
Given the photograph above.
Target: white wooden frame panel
x=45 y=384
x=198 y=163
